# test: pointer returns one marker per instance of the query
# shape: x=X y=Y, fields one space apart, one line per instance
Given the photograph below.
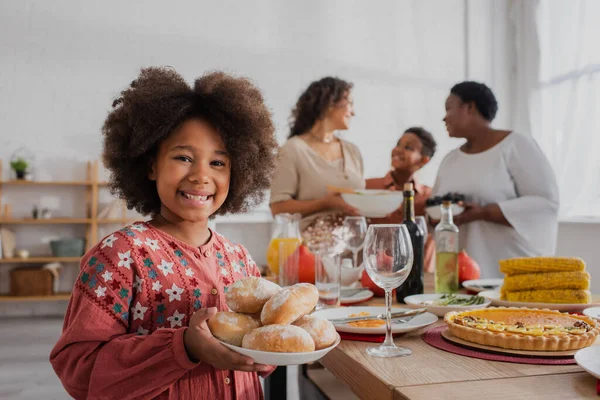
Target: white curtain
x=527 y=61
x=557 y=91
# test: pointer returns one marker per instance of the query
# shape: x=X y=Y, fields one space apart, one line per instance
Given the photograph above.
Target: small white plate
x=435 y=212
x=494 y=296
x=357 y=298
x=589 y=359
x=416 y=322
x=593 y=312
x=417 y=300
x=481 y=285
x=273 y=358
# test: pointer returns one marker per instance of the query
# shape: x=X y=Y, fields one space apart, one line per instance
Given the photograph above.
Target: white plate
x=589 y=359
x=374 y=203
x=357 y=298
x=416 y=301
x=272 y=358
x=475 y=285
x=593 y=312
x=415 y=323
x=435 y=212
x=494 y=296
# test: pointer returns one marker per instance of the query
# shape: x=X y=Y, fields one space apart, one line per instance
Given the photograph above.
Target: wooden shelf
x=49 y=221
x=46 y=183
x=91 y=187
x=39 y=260
x=54 y=297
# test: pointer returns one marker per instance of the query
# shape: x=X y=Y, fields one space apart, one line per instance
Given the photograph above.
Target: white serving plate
x=475 y=284
x=417 y=300
x=357 y=298
x=593 y=312
x=435 y=212
x=589 y=359
x=272 y=358
x=494 y=296
x=374 y=203
x=416 y=322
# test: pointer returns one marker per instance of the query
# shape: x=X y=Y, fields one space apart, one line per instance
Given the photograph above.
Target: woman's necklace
x=326 y=139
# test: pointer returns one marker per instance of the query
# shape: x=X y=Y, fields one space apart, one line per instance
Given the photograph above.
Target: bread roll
x=231 y=327
x=320 y=330
x=289 y=304
x=249 y=295
x=279 y=339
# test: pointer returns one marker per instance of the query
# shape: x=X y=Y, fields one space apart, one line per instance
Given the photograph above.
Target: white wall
x=582 y=239
x=64 y=61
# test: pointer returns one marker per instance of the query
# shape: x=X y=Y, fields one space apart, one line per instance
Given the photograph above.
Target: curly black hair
x=314 y=102
x=427 y=141
x=157 y=103
x=481 y=95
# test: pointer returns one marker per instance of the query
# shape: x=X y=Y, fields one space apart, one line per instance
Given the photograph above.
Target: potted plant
x=20 y=166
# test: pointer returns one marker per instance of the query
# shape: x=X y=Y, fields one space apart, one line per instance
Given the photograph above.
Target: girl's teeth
x=197 y=198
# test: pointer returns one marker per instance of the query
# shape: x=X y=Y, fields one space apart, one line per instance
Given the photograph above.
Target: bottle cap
x=408 y=186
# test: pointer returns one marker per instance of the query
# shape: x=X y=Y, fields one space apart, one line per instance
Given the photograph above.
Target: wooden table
x=431 y=373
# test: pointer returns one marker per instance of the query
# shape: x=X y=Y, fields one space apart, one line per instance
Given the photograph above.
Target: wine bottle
x=414 y=282
x=446 y=252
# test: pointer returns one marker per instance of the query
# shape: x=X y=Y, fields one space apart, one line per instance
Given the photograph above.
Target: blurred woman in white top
x=511 y=191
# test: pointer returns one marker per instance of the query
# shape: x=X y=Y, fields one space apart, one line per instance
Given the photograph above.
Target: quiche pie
x=523 y=328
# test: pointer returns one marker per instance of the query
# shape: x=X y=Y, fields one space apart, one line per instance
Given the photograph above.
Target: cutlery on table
x=351 y=292
x=395 y=315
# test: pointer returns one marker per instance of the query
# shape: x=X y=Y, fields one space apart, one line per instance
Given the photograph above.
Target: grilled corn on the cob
x=556 y=296
x=549 y=280
x=515 y=266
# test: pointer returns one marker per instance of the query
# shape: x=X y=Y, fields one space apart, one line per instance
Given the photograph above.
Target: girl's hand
x=334 y=201
x=202 y=346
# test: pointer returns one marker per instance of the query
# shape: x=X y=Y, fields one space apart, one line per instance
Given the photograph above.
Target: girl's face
x=192 y=172
x=407 y=153
x=341 y=113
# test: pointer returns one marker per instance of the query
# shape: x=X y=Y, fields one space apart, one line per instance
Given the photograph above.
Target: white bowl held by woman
x=374 y=203
x=435 y=212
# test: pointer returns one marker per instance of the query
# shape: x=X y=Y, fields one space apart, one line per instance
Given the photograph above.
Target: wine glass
x=422 y=224
x=388 y=256
x=355 y=229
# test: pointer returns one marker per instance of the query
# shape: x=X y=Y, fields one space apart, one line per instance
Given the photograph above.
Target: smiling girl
x=412 y=152
x=136 y=326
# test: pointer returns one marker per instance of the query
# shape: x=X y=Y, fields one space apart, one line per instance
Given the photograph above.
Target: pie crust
x=557 y=337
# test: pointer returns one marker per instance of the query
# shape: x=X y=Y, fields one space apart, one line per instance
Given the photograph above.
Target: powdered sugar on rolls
x=249 y=295
x=231 y=327
x=321 y=330
x=289 y=304
x=279 y=339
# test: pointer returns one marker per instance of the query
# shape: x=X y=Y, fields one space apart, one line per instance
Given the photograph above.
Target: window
x=565 y=106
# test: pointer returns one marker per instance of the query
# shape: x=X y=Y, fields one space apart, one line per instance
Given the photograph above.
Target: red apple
x=366 y=282
x=468 y=269
x=306 y=264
